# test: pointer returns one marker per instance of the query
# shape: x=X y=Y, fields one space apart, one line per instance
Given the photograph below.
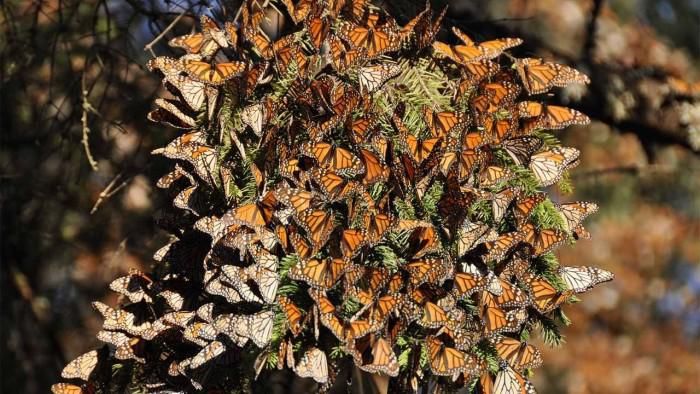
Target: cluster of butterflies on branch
x=326 y=208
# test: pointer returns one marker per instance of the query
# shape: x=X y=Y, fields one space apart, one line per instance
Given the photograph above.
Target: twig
x=87 y=107
x=108 y=192
x=149 y=46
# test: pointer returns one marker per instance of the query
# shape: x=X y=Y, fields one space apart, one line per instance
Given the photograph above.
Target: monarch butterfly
x=257 y=327
x=471 y=234
x=548 y=166
x=372 y=78
x=67 y=388
x=582 y=279
x=285 y=354
x=342 y=103
x=507 y=381
x=376 y=38
x=473 y=74
x=193 y=92
x=173 y=176
x=180 y=319
x=300 y=246
x=189 y=147
x=495 y=319
x=420 y=31
x=119 y=320
x=256 y=116
x=256 y=75
x=200 y=333
x=423 y=241
x=209 y=40
x=343 y=330
x=550 y=117
x=215 y=286
x=206 y=312
x=172 y=113
x=354 y=8
x=466 y=283
x=133 y=286
x=520 y=149
x=287 y=52
x=216 y=74
x=313 y=364
x=493 y=175
x=318 y=27
x=232 y=326
x=498 y=128
x=501 y=201
x=318 y=225
x=542 y=240
x=434 y=316
x=374 y=355
x=518 y=354
x=321 y=273
x=266 y=279
x=292 y=313
x=376 y=169
x=123 y=343
x=443 y=123
x=377 y=224
x=333 y=186
x=447 y=361
x=574 y=213
x=471 y=155
x=381 y=309
x=298 y=199
x=539 y=76
x=81 y=367
x=499 y=248
x=472 y=52
x=494 y=97
x=351 y=241
x=365 y=282
x=545 y=297
x=300 y=10
x=433 y=271
x=239 y=279
x=188 y=200
x=257 y=214
x=211 y=351
x=342 y=58
x=419 y=149
x=339 y=160
x=524 y=206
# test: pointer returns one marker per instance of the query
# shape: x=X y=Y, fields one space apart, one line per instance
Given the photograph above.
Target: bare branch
x=87 y=107
x=109 y=191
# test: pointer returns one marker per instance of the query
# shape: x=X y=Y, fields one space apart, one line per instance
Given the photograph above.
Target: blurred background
x=77 y=181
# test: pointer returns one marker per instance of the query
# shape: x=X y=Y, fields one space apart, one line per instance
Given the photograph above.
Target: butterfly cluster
x=324 y=210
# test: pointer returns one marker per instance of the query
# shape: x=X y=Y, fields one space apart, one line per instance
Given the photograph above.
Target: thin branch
x=109 y=191
x=149 y=46
x=87 y=107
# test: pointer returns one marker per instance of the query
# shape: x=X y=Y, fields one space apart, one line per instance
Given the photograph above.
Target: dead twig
x=149 y=46
x=108 y=192
x=87 y=107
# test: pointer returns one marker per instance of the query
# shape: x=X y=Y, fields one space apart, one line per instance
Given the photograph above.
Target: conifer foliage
x=350 y=190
